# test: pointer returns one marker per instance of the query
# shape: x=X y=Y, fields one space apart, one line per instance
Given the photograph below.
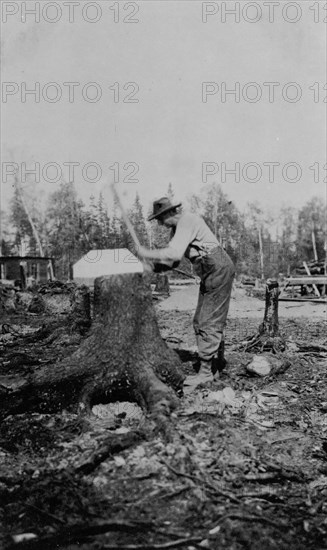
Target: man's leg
x=210 y=326
x=219 y=361
x=209 y=322
x=204 y=373
x=197 y=314
x=208 y=339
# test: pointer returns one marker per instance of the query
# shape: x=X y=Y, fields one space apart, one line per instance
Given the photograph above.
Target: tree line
x=259 y=244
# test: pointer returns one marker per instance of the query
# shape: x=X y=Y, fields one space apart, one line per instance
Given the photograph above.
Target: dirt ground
x=242 y=305
x=245 y=315
x=243 y=466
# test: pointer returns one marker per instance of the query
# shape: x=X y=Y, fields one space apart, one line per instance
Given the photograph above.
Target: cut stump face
x=103 y=263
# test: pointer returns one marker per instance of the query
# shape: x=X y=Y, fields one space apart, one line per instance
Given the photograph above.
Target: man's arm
x=184 y=235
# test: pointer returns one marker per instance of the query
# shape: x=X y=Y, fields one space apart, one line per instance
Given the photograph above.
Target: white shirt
x=191 y=237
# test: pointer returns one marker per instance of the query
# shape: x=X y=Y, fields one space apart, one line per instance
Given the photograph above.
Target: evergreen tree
x=103 y=222
x=138 y=221
x=7 y=234
x=65 y=225
x=118 y=231
x=221 y=215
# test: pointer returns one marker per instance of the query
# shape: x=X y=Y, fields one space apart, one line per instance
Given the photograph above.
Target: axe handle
x=183 y=273
x=125 y=217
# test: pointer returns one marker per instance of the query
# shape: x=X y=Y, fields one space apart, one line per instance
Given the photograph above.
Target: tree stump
x=122 y=358
x=270 y=324
x=162 y=283
x=268 y=337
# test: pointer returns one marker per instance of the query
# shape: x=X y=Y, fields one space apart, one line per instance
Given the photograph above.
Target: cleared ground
x=244 y=465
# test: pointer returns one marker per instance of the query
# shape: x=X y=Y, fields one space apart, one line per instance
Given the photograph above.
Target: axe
x=147 y=265
x=125 y=217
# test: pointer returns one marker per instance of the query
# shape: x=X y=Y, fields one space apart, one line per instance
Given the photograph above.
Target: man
x=192 y=238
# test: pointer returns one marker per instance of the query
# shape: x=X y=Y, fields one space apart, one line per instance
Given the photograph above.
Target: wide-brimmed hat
x=161 y=206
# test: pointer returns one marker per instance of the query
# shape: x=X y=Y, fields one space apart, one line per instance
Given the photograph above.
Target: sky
x=145 y=101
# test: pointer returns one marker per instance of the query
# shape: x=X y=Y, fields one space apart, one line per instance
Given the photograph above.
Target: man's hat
x=161 y=206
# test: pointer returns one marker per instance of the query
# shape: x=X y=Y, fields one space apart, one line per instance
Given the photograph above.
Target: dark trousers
x=217 y=271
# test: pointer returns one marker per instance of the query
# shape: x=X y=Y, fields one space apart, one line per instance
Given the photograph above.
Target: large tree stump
x=123 y=358
x=268 y=337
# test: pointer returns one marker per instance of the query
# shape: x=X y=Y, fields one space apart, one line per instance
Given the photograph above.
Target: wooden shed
x=18 y=269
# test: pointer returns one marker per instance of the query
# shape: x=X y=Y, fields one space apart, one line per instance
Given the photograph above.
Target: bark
x=270 y=324
x=80 y=315
x=162 y=283
x=122 y=358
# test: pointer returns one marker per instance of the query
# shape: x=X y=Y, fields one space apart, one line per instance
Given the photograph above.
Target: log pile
x=53 y=297
x=316 y=268
x=309 y=282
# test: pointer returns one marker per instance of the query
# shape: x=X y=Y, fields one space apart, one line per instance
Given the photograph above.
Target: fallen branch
x=271 y=492
x=46 y=514
x=261 y=519
x=175 y=544
x=176 y=493
x=112 y=445
x=78 y=533
x=266 y=477
x=210 y=486
x=287 y=438
x=178 y=473
x=310 y=347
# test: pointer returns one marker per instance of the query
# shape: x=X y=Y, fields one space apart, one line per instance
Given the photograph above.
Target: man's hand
x=147 y=266
x=143 y=253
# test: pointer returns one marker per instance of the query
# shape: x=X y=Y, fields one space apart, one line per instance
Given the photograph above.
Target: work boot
x=218 y=361
x=196 y=365
x=204 y=376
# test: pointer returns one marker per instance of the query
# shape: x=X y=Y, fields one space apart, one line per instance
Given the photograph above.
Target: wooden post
x=270 y=324
x=162 y=283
